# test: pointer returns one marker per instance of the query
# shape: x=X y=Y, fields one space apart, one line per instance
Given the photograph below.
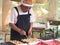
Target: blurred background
x=44 y=10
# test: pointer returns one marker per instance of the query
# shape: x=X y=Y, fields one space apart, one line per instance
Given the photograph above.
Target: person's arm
x=30 y=30
x=12 y=22
x=14 y=27
x=32 y=19
x=31 y=25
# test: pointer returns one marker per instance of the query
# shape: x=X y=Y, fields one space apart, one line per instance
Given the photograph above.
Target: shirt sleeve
x=13 y=16
x=32 y=18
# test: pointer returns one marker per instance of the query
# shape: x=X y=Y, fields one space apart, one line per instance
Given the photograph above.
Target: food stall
x=31 y=41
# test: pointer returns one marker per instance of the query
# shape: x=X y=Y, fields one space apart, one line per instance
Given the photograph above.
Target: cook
x=21 y=20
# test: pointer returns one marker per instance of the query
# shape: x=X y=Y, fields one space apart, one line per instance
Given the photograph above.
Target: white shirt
x=14 y=14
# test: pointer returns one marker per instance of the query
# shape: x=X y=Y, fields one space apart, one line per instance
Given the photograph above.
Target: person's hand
x=29 y=33
x=22 y=32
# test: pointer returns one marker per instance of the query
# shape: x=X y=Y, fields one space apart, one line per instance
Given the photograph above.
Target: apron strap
x=17 y=10
x=28 y=12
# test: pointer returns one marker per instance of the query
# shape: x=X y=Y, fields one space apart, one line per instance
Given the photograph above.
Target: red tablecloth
x=48 y=43
x=40 y=43
x=53 y=43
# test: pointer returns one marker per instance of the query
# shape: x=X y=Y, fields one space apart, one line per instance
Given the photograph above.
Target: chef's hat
x=25 y=4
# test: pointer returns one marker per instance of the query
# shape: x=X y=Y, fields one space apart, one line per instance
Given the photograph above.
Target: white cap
x=25 y=4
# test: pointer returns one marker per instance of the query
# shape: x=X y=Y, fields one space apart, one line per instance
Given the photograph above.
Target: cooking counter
x=24 y=41
x=48 y=42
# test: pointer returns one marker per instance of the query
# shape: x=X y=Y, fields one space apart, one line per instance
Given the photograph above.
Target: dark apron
x=22 y=23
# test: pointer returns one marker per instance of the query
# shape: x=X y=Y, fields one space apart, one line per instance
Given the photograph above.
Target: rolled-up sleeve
x=12 y=17
x=32 y=17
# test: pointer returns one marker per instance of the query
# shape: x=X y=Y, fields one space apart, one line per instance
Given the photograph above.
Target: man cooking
x=21 y=20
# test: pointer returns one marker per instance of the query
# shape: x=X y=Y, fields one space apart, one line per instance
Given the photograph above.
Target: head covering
x=25 y=4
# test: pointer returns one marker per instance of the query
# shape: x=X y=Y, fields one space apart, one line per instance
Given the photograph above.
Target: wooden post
x=0 y=14
x=5 y=12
